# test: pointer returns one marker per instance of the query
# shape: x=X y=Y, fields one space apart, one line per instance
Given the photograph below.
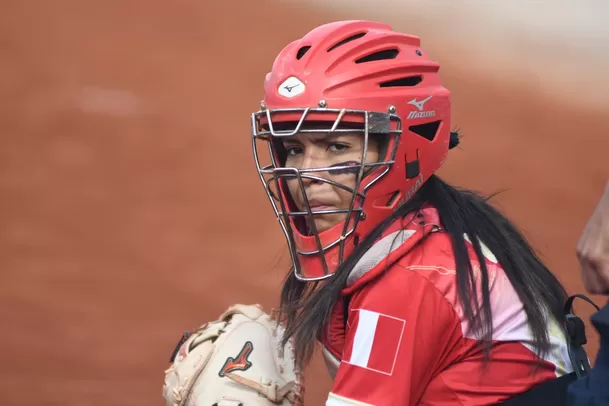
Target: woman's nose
x=313 y=160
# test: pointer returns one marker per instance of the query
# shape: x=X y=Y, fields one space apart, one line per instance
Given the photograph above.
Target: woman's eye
x=335 y=147
x=293 y=150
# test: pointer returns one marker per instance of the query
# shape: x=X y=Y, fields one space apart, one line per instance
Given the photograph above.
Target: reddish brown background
x=130 y=209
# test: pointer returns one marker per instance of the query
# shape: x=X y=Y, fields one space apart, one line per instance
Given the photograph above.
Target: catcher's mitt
x=234 y=361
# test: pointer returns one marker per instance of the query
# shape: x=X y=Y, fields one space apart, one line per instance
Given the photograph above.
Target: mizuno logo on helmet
x=419 y=104
x=420 y=114
x=291 y=87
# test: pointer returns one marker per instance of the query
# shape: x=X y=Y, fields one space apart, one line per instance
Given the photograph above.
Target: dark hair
x=306 y=306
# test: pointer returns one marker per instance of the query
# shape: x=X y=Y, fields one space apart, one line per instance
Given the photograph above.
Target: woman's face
x=319 y=150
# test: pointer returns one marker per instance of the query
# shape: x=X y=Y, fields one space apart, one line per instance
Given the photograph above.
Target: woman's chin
x=327 y=222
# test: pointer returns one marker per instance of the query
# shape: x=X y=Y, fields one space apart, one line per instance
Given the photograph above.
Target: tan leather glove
x=235 y=360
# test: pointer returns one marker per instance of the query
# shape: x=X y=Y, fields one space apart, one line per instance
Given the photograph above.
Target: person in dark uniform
x=593 y=255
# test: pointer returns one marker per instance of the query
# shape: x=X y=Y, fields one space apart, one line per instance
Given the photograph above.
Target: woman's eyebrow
x=317 y=138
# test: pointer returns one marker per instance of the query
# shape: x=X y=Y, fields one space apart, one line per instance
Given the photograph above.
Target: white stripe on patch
x=364 y=337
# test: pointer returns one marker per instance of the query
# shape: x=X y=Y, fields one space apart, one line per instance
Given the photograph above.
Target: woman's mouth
x=317 y=205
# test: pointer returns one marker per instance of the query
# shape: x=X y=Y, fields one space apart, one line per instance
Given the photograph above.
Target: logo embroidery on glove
x=240 y=362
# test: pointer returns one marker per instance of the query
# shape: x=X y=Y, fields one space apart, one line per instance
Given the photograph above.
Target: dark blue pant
x=594 y=388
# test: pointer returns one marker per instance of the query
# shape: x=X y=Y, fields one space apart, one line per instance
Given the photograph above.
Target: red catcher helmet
x=351 y=76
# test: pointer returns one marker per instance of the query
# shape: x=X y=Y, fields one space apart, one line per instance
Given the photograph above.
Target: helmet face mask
x=328 y=248
x=350 y=77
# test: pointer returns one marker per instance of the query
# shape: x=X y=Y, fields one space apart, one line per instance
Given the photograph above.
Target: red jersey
x=406 y=340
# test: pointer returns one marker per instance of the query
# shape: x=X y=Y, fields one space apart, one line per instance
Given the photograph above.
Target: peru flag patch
x=375 y=341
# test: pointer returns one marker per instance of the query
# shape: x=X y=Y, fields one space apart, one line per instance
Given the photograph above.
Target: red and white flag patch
x=376 y=341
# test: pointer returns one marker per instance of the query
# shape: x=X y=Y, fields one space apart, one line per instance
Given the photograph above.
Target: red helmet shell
x=363 y=65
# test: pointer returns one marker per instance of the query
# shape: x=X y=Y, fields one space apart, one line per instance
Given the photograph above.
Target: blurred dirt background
x=130 y=209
